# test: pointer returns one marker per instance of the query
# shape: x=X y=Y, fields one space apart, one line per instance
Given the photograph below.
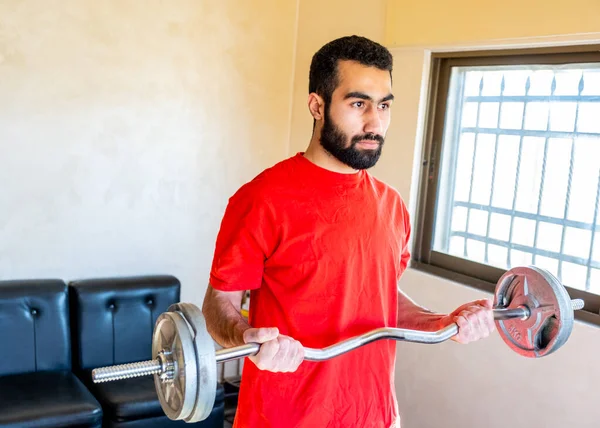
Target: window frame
x=477 y=275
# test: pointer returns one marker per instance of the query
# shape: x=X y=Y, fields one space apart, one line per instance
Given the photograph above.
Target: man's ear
x=316 y=106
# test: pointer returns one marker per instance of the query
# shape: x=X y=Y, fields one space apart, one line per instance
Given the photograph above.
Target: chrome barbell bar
x=150 y=367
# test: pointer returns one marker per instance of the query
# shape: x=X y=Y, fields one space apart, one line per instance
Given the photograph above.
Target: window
x=512 y=175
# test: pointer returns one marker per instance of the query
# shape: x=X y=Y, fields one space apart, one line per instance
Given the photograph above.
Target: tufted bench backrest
x=112 y=319
x=34 y=326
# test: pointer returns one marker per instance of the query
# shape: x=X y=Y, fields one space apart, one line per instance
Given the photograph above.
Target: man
x=322 y=244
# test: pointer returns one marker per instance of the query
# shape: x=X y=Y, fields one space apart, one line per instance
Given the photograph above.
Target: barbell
x=533 y=314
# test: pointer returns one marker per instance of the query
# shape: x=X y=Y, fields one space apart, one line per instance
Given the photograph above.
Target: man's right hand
x=278 y=353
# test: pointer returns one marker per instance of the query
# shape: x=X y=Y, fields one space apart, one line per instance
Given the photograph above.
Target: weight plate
x=551 y=321
x=206 y=362
x=172 y=334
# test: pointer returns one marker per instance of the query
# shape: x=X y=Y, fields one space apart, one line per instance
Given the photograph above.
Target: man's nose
x=373 y=122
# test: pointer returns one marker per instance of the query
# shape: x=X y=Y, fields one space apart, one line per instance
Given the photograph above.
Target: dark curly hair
x=323 y=76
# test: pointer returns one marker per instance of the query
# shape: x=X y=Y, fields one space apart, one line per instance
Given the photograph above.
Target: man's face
x=357 y=119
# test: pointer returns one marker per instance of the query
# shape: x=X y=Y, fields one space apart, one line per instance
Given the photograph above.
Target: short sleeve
x=245 y=240
x=405 y=247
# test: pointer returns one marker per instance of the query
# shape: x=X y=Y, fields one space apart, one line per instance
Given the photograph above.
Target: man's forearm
x=224 y=321
x=414 y=317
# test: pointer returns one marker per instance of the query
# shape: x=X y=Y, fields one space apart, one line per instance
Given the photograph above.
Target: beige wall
x=126 y=125
x=414 y=22
x=485 y=384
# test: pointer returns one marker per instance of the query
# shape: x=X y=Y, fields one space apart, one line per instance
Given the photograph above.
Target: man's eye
x=384 y=106
x=358 y=104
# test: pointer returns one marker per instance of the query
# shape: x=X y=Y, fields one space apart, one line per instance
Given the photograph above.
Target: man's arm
x=414 y=317
x=475 y=319
x=225 y=324
x=224 y=321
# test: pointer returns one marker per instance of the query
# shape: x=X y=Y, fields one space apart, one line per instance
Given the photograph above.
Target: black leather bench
x=112 y=323
x=37 y=386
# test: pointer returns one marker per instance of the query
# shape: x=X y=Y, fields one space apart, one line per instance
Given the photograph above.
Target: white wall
x=483 y=384
x=125 y=125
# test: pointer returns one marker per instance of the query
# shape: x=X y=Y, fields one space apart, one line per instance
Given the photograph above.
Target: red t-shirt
x=322 y=253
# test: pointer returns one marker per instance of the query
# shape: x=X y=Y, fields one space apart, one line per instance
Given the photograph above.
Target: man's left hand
x=475 y=321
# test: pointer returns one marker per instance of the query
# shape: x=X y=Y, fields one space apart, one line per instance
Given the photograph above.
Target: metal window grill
x=563 y=221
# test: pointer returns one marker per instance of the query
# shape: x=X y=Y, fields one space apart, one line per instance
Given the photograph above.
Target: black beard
x=333 y=140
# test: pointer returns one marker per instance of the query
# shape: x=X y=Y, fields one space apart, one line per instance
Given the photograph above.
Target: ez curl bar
x=532 y=310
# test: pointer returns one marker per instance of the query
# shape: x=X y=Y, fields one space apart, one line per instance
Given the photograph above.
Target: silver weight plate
x=551 y=321
x=206 y=362
x=172 y=334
